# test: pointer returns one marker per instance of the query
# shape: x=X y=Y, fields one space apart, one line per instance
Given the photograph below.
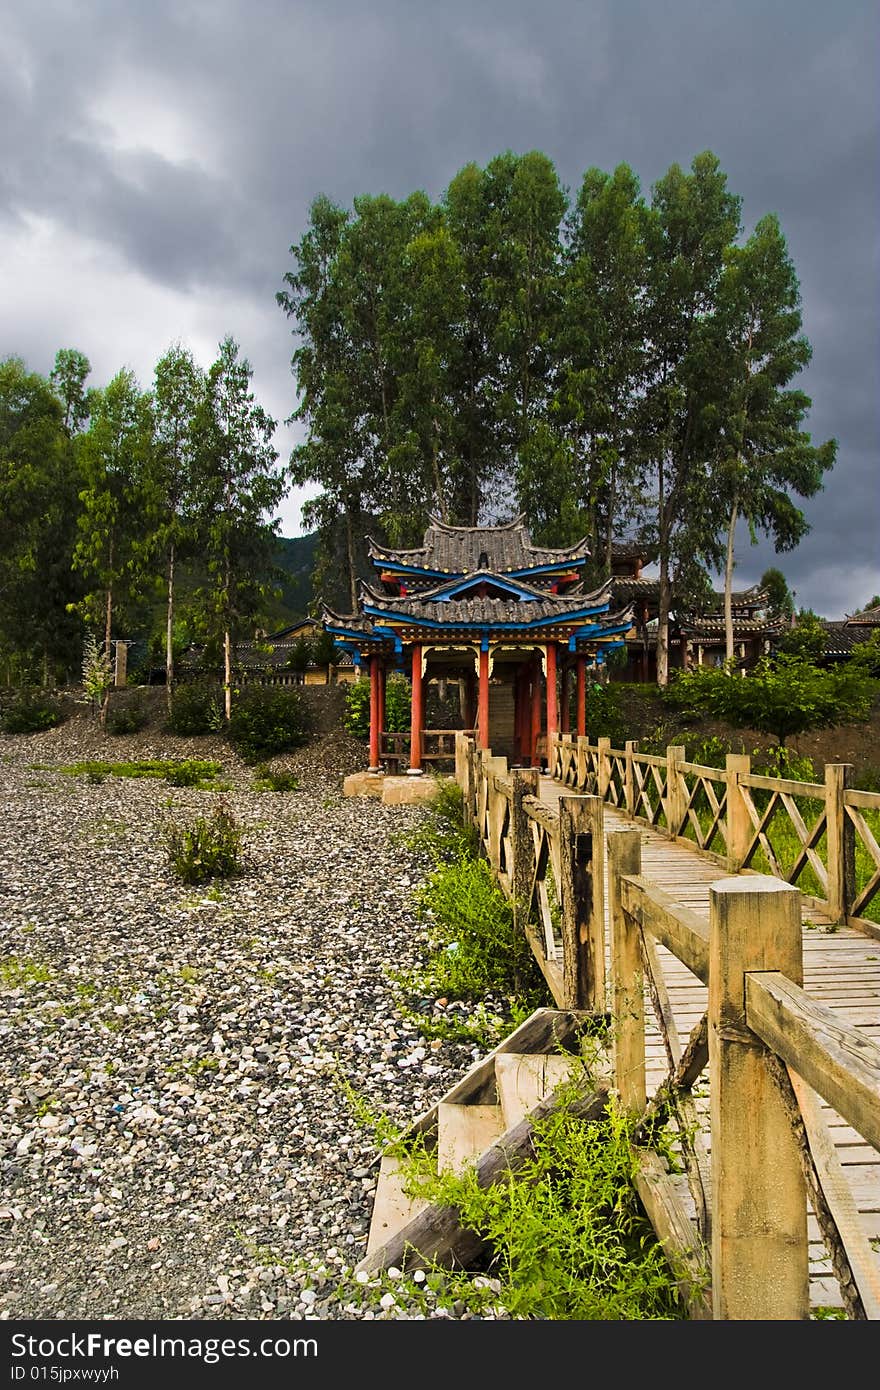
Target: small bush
x=184 y=772
x=267 y=779
x=208 y=847
x=267 y=721
x=196 y=708
x=128 y=719
x=31 y=711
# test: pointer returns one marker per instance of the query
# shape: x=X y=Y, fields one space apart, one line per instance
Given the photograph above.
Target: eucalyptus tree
x=38 y=508
x=236 y=489
x=68 y=376
x=178 y=386
x=754 y=348
x=692 y=221
x=114 y=544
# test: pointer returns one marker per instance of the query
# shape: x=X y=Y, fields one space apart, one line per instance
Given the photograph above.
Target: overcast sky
x=159 y=158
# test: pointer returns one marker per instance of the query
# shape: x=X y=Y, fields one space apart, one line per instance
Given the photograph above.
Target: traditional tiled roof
x=457 y=550
x=697 y=624
x=627 y=586
x=868 y=617
x=841 y=639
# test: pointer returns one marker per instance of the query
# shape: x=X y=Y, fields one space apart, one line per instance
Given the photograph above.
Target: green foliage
x=266 y=721
x=782 y=697
x=30 y=711
x=807 y=639
x=268 y=779
x=442 y=833
x=196 y=708
x=97 y=673
x=126 y=719
x=356 y=715
x=604 y=714
x=300 y=655
x=208 y=847
x=866 y=657
x=178 y=772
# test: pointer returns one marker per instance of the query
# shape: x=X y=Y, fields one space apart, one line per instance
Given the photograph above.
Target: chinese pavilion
x=484 y=606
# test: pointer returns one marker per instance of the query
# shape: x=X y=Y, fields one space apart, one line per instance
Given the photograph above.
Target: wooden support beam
x=739 y=825
x=841 y=842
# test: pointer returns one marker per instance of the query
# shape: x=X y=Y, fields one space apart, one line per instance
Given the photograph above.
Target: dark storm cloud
x=240 y=114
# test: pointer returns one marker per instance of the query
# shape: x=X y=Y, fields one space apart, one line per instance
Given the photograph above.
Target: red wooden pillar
x=581 y=697
x=552 y=708
x=565 y=711
x=375 y=764
x=483 y=701
x=383 y=674
x=417 y=716
x=535 y=732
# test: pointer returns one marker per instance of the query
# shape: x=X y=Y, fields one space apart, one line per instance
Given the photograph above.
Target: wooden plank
x=838 y=1061
x=392 y=1207
x=464 y=1132
x=524 y=1079
x=686 y=1253
x=436 y=1233
x=681 y=931
x=834 y=1184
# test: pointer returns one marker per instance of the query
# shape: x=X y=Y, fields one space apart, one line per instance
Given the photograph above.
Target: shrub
x=267 y=721
x=196 y=708
x=604 y=716
x=356 y=716
x=208 y=847
x=267 y=779
x=127 y=719
x=31 y=711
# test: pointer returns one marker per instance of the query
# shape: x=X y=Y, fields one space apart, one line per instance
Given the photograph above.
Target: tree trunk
x=663 y=598
x=352 y=568
x=227 y=674
x=728 y=584
x=169 y=648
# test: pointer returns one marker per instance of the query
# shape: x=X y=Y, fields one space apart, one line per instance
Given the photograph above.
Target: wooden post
x=417 y=718
x=675 y=790
x=375 y=760
x=581 y=780
x=582 y=901
x=460 y=763
x=382 y=684
x=120 y=665
x=524 y=782
x=627 y=975
x=581 y=698
x=739 y=825
x=629 y=785
x=760 y=1262
x=603 y=745
x=483 y=699
x=841 y=842
x=495 y=767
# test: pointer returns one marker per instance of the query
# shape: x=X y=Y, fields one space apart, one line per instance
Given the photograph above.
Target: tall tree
x=693 y=219
x=68 y=376
x=753 y=350
x=237 y=488
x=179 y=384
x=113 y=548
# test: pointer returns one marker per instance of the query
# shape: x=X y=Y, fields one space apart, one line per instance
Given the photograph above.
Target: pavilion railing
x=437 y=747
x=822 y=837
x=771 y=1051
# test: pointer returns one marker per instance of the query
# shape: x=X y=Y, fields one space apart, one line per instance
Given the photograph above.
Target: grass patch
x=178 y=772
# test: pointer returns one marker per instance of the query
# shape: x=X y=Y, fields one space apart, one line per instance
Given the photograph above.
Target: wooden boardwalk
x=841 y=969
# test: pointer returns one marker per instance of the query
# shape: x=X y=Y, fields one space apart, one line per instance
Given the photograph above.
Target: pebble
x=170 y=1056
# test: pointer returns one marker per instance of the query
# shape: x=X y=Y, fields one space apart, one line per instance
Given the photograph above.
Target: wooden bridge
x=722 y=922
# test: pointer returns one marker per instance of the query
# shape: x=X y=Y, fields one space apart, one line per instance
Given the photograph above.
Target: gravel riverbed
x=176 y=1140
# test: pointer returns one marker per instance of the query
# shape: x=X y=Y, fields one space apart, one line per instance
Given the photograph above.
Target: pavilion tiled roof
x=868 y=617
x=414 y=609
x=457 y=550
x=841 y=639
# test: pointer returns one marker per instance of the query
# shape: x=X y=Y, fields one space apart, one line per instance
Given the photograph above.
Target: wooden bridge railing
x=769 y=1048
x=822 y=837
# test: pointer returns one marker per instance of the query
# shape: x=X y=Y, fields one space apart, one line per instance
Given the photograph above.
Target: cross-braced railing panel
x=705 y=807
x=862 y=811
x=543 y=905
x=782 y=841
x=649 y=789
x=615 y=791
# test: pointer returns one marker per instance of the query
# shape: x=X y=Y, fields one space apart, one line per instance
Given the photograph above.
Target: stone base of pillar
x=414 y=772
x=376 y=771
